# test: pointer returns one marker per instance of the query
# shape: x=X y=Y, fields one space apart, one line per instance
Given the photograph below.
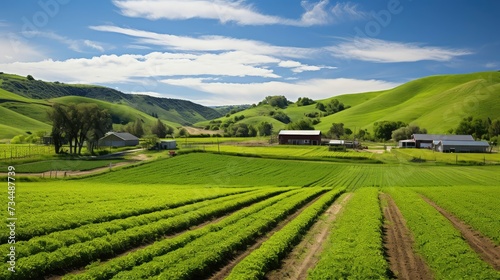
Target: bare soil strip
x=404 y=263
x=226 y=270
x=484 y=247
x=305 y=255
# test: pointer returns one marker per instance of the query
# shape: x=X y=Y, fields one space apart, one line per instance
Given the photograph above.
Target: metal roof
x=336 y=142
x=465 y=143
x=445 y=137
x=300 y=132
x=123 y=135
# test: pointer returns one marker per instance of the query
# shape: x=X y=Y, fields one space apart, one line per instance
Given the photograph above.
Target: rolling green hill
x=177 y=111
x=436 y=103
x=24 y=104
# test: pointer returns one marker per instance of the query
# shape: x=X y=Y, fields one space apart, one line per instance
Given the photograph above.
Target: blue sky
x=220 y=52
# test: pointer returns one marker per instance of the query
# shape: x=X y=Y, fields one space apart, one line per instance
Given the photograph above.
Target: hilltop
x=24 y=104
x=437 y=103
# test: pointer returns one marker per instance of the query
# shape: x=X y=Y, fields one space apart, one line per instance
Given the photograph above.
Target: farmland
x=208 y=215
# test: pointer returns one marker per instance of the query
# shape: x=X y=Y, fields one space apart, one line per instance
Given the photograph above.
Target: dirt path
x=484 y=247
x=226 y=270
x=404 y=263
x=305 y=255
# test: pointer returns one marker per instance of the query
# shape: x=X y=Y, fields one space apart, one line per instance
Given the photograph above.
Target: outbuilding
x=426 y=140
x=300 y=137
x=461 y=146
x=118 y=139
x=167 y=145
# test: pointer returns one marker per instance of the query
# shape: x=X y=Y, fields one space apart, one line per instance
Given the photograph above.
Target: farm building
x=118 y=139
x=406 y=144
x=167 y=144
x=300 y=137
x=337 y=145
x=460 y=146
x=426 y=140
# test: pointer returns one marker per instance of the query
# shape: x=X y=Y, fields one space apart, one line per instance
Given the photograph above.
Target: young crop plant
x=269 y=254
x=354 y=249
x=441 y=245
x=164 y=246
x=477 y=206
x=108 y=245
x=199 y=258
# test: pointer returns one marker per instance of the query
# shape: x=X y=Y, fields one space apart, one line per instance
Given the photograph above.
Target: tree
x=183 y=132
x=282 y=117
x=159 y=129
x=494 y=129
x=303 y=124
x=138 y=129
x=406 y=132
x=265 y=129
x=304 y=101
x=76 y=123
x=279 y=101
x=478 y=128
x=30 y=78
x=348 y=131
x=383 y=130
x=336 y=130
x=151 y=140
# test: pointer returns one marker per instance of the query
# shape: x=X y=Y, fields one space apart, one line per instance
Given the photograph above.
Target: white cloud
x=13 y=48
x=207 y=43
x=237 y=11
x=376 y=50
x=298 y=67
x=347 y=11
x=75 y=45
x=491 y=65
x=119 y=69
x=247 y=93
x=94 y=45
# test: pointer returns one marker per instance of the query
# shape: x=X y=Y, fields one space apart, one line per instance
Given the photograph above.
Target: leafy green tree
x=159 y=129
x=30 y=78
x=150 y=140
x=383 y=130
x=279 y=101
x=304 y=101
x=406 y=132
x=336 y=130
x=282 y=117
x=265 y=129
x=303 y=124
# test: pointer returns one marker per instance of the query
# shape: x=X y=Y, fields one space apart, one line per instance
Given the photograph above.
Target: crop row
x=109 y=245
x=56 y=240
x=127 y=262
x=199 y=258
x=354 y=248
x=441 y=245
x=37 y=223
x=223 y=170
x=271 y=252
x=476 y=206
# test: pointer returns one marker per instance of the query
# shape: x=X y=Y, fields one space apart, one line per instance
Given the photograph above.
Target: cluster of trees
x=303 y=124
x=77 y=123
x=279 y=101
x=383 y=130
x=337 y=131
x=406 y=132
x=485 y=129
x=280 y=116
x=246 y=130
x=304 y=101
x=332 y=107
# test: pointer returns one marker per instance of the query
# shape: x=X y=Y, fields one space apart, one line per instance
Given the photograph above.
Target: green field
x=188 y=216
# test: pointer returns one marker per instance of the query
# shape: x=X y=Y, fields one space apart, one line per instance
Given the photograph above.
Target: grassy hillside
x=437 y=103
x=177 y=111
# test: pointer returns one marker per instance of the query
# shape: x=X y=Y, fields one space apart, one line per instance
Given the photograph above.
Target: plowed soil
x=305 y=255
x=484 y=247
x=404 y=263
